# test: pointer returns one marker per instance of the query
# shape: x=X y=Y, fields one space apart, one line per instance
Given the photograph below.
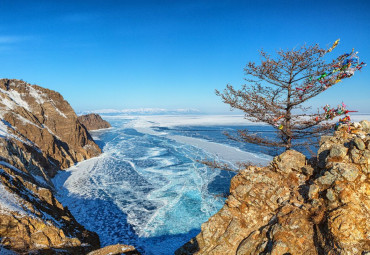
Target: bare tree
x=277 y=89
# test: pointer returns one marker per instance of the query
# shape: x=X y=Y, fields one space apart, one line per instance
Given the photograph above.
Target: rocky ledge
x=297 y=205
x=93 y=121
x=39 y=135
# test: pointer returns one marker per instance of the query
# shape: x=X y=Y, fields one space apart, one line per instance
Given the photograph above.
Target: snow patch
x=9 y=201
x=16 y=99
x=39 y=97
x=26 y=121
x=50 y=131
x=3 y=129
x=58 y=111
x=4 y=133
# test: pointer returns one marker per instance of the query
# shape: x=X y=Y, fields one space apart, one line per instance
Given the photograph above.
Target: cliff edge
x=39 y=135
x=297 y=206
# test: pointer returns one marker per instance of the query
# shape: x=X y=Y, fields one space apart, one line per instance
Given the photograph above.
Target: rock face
x=93 y=121
x=39 y=135
x=297 y=206
x=40 y=122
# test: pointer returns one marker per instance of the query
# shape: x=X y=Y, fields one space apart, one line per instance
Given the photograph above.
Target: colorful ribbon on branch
x=334 y=45
x=331 y=113
x=279 y=126
x=346 y=67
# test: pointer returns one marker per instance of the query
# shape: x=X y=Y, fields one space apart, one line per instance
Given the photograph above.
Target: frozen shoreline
x=222 y=151
x=146 y=124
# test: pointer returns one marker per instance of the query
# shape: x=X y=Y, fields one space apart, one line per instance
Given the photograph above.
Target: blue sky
x=171 y=54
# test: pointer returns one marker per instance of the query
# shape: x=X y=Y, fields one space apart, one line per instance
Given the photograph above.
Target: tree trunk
x=288 y=128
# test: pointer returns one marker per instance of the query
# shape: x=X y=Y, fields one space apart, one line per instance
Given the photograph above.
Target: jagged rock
x=93 y=121
x=40 y=122
x=365 y=124
x=313 y=191
x=348 y=171
x=337 y=152
x=290 y=160
x=277 y=210
x=40 y=221
x=359 y=143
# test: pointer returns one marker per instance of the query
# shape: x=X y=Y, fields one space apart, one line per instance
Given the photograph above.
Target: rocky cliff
x=93 y=121
x=39 y=135
x=297 y=206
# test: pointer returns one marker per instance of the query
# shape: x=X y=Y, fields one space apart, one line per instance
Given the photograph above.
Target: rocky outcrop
x=39 y=122
x=39 y=135
x=93 y=121
x=32 y=219
x=297 y=206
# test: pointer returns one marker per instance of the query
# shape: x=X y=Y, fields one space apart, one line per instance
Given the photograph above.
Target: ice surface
x=145 y=124
x=183 y=120
x=147 y=188
x=224 y=152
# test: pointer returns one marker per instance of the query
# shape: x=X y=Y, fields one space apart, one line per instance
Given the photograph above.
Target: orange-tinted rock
x=93 y=121
x=279 y=210
x=43 y=124
x=39 y=135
